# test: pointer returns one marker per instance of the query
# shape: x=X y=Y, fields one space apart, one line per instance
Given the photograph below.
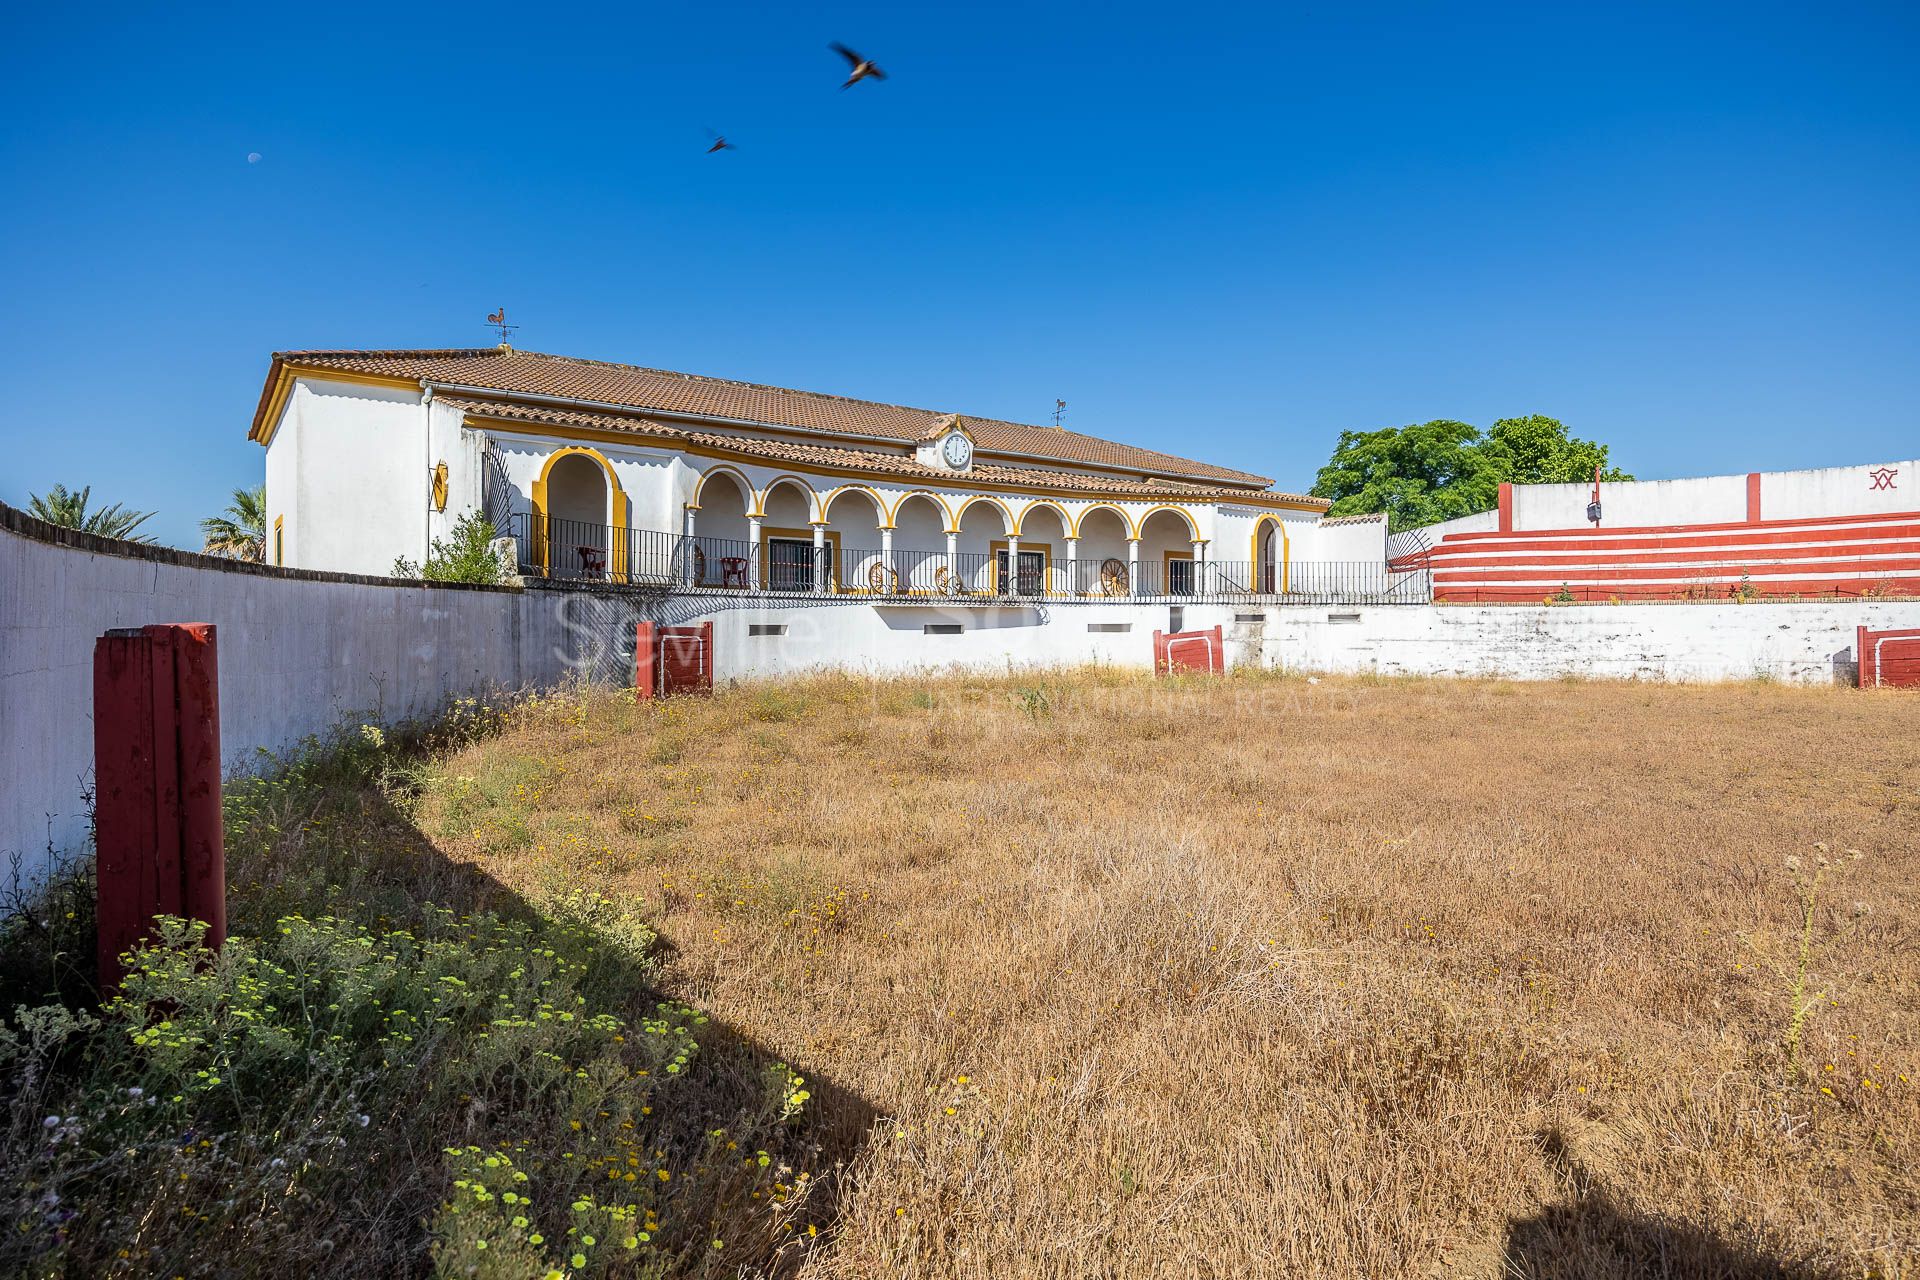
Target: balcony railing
x=579 y=551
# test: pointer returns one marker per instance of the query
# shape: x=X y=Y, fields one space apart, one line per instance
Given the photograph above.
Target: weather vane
x=1059 y=408
x=498 y=320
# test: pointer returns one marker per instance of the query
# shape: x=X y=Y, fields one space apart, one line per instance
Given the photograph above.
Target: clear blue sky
x=1225 y=231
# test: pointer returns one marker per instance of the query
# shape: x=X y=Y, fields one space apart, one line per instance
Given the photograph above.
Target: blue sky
x=1224 y=231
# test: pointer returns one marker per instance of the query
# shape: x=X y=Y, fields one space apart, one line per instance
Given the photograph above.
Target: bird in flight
x=719 y=143
x=862 y=67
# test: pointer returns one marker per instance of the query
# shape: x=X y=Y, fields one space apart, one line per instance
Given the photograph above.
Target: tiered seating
x=1827 y=556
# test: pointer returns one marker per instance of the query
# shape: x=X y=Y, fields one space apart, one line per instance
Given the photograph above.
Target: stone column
x=886 y=558
x=953 y=561
x=1199 y=564
x=753 y=553
x=687 y=546
x=1011 y=586
x=822 y=571
x=1073 y=566
x=1133 y=566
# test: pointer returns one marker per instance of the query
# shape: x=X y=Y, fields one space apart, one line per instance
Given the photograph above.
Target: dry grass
x=1259 y=977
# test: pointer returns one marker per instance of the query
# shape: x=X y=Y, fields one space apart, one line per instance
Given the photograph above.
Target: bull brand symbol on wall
x=1882 y=477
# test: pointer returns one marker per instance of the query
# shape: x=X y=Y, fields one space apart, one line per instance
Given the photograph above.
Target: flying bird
x=862 y=67
x=719 y=143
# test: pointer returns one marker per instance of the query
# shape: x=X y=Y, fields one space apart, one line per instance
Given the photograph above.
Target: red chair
x=733 y=571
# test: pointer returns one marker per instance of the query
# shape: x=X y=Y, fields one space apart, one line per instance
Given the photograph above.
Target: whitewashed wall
x=299 y=654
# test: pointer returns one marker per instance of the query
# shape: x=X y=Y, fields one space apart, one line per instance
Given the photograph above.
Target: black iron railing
x=582 y=551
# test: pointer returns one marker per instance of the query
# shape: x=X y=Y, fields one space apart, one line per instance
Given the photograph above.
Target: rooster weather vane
x=498 y=321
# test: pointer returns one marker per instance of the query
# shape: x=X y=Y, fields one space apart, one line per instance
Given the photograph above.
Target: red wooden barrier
x=646 y=656
x=159 y=838
x=670 y=660
x=1189 y=651
x=1888 y=659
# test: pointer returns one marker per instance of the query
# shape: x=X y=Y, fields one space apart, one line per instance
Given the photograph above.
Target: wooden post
x=646 y=655
x=159 y=836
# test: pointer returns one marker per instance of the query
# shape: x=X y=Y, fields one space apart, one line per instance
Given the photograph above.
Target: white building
x=622 y=474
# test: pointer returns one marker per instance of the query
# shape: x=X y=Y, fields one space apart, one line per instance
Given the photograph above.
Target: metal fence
x=581 y=551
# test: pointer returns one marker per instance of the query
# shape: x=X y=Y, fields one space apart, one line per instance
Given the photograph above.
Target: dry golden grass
x=1262 y=977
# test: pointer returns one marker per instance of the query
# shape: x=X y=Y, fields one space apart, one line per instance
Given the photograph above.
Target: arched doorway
x=1166 y=553
x=580 y=512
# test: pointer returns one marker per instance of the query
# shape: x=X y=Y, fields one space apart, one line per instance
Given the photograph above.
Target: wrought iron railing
x=582 y=551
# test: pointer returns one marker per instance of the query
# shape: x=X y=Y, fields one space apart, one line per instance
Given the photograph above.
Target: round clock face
x=957 y=450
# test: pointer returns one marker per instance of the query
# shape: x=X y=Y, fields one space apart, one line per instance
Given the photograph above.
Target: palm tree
x=69 y=510
x=239 y=532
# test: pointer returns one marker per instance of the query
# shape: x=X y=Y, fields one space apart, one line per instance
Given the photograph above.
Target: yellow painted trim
x=997 y=545
x=769 y=532
x=1006 y=512
x=893 y=516
x=619 y=507
x=1250 y=498
x=1066 y=521
x=880 y=503
x=1126 y=521
x=1286 y=552
x=279 y=540
x=747 y=493
x=786 y=477
x=1193 y=526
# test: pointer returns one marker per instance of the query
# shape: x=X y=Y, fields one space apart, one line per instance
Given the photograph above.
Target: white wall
x=348 y=471
x=298 y=654
x=1794 y=642
x=1788 y=495
x=1707 y=500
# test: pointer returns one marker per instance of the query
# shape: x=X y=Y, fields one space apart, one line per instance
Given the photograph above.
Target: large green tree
x=64 y=507
x=1433 y=471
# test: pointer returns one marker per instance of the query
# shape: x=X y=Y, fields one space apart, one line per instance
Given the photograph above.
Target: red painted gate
x=1889 y=659
x=1188 y=651
x=670 y=660
x=159 y=837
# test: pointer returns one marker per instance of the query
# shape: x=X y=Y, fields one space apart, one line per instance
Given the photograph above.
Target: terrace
x=991 y=571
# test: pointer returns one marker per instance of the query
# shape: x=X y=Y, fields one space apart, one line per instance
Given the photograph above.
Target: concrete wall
x=1866 y=489
x=299 y=654
x=1795 y=642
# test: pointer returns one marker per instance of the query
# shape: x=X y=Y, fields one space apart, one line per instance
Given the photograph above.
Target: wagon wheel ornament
x=699 y=563
x=1113 y=577
x=882 y=580
x=945 y=581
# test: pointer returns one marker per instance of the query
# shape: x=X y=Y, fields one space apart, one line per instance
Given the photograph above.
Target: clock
x=957 y=450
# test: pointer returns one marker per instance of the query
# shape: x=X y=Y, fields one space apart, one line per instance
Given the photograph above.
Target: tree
x=467 y=557
x=239 y=532
x=1416 y=474
x=69 y=510
x=1435 y=471
x=1538 y=450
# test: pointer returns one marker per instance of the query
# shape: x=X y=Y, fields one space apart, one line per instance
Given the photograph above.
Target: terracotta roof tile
x=837 y=458
x=504 y=370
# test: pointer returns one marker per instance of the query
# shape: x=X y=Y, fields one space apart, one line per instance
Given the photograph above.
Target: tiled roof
x=530 y=373
x=835 y=458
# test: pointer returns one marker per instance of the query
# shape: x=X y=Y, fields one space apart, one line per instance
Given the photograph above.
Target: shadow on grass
x=1590 y=1236
x=322 y=839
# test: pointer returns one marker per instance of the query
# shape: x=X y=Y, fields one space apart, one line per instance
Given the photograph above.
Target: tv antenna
x=498 y=320
x=1059 y=410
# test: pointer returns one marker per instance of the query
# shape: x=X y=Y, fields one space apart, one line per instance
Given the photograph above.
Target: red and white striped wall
x=1864 y=554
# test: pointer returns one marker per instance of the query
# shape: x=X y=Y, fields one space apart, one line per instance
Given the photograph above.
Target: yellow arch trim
x=879 y=503
x=786 y=477
x=1006 y=512
x=619 y=507
x=1126 y=521
x=1193 y=526
x=1066 y=521
x=721 y=468
x=893 y=516
x=1286 y=549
